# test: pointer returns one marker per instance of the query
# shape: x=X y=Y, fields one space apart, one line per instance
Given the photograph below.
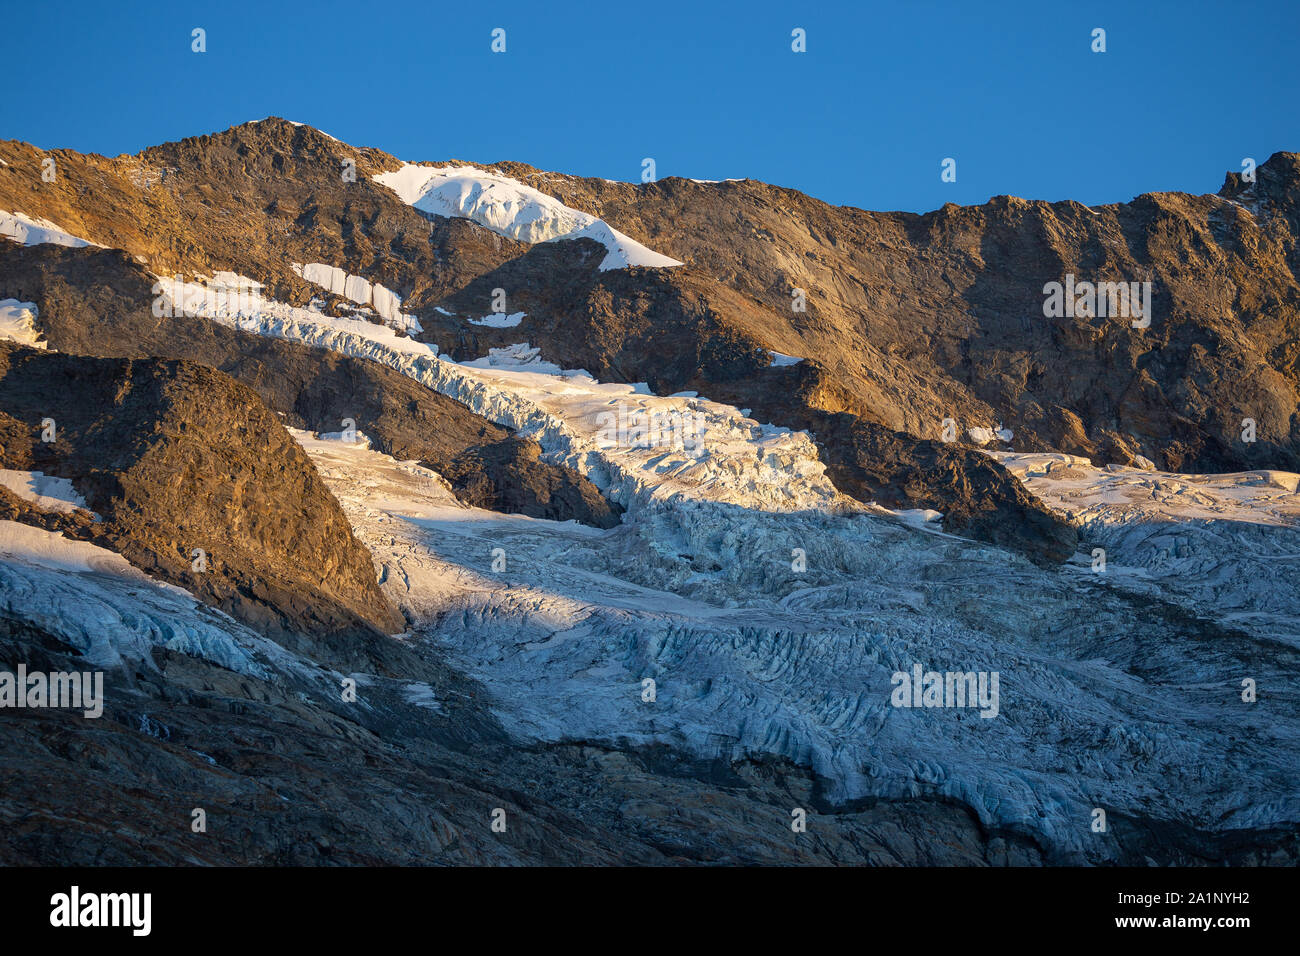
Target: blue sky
x=884 y=93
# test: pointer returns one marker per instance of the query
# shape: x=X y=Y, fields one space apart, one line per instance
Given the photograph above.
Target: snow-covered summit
x=508 y=207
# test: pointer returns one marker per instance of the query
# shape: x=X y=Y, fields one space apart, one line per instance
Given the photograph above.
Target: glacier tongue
x=1227 y=545
x=773 y=615
x=109 y=610
x=1101 y=705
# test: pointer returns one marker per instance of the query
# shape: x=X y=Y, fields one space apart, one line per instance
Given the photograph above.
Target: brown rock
x=177 y=457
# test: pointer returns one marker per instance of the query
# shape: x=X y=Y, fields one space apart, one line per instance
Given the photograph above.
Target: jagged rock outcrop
x=256 y=199
x=177 y=458
x=261 y=196
x=675 y=332
x=959 y=332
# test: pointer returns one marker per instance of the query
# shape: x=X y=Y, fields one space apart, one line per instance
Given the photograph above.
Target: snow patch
x=508 y=207
x=920 y=517
x=35 y=232
x=982 y=436
x=46 y=492
x=18 y=323
x=519 y=356
x=353 y=439
x=359 y=290
x=234 y=282
x=499 y=320
x=52 y=551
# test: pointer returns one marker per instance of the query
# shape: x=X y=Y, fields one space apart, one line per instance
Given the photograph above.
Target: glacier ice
x=771 y=613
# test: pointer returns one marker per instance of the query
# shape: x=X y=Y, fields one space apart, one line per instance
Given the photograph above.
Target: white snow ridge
x=34 y=232
x=508 y=207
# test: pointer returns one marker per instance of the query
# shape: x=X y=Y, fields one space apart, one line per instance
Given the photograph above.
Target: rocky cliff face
x=923 y=316
x=958 y=332
x=198 y=484
x=254 y=199
x=676 y=331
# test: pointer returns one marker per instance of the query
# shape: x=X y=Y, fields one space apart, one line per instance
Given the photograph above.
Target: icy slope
x=508 y=207
x=633 y=445
x=1102 y=702
x=772 y=618
x=1228 y=546
x=112 y=612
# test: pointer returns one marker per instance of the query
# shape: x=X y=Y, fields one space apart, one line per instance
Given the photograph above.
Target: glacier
x=1102 y=707
x=771 y=612
x=97 y=602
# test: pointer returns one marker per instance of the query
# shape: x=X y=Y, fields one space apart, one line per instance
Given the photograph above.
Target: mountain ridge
x=713 y=641
x=899 y=385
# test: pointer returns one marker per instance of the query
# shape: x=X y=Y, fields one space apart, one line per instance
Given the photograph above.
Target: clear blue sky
x=884 y=93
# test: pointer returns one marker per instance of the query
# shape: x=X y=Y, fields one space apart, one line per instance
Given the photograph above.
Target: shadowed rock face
x=97 y=302
x=872 y=463
x=509 y=476
x=674 y=331
x=175 y=457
